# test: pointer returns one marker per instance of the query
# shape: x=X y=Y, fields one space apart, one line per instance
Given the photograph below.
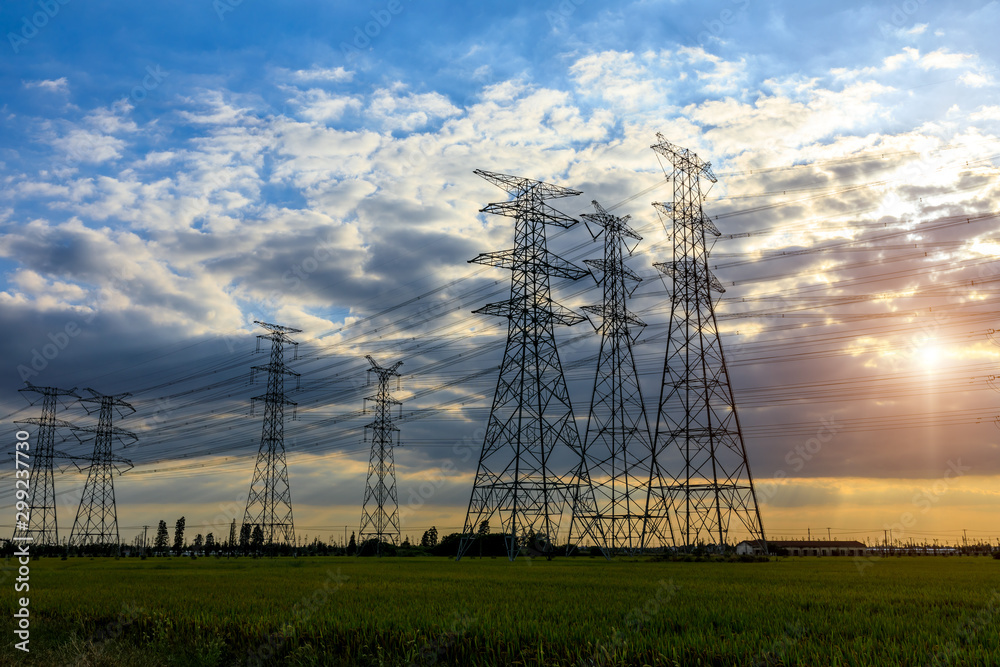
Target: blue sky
x=174 y=170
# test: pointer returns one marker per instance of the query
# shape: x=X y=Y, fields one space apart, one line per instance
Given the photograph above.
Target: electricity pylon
x=269 y=503
x=97 y=516
x=617 y=446
x=41 y=526
x=698 y=438
x=531 y=435
x=380 y=510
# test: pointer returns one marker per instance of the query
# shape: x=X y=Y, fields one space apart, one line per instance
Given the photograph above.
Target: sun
x=930 y=356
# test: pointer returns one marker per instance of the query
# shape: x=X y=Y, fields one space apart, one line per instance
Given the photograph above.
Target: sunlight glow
x=930 y=355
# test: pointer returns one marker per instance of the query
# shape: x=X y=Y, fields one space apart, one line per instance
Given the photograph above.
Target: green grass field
x=582 y=611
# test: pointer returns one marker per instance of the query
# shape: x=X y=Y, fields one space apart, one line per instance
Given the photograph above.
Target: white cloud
x=336 y=74
x=410 y=111
x=943 y=59
x=60 y=85
x=322 y=107
x=975 y=80
x=986 y=113
x=89 y=147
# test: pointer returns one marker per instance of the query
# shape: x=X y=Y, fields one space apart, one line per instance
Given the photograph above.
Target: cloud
x=330 y=199
x=60 y=85
x=80 y=145
x=335 y=74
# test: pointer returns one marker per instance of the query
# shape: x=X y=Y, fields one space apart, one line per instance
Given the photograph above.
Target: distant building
x=805 y=547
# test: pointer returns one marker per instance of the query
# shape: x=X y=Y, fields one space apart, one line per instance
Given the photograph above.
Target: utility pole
x=698 y=436
x=41 y=526
x=380 y=509
x=828 y=536
x=269 y=503
x=617 y=447
x=144 y=529
x=531 y=468
x=97 y=516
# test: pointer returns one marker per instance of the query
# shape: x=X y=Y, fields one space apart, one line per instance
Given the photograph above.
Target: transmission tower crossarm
x=518 y=186
x=683 y=159
x=549 y=312
x=614 y=265
x=276 y=328
x=543 y=263
x=543 y=212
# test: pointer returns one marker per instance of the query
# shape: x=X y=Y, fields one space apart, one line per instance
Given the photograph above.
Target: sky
x=174 y=171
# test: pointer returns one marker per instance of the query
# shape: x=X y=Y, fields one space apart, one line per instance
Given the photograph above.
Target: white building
x=805 y=547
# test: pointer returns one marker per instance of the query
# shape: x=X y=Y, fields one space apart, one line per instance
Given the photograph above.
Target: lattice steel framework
x=698 y=438
x=97 y=516
x=531 y=428
x=617 y=446
x=269 y=503
x=380 y=510
x=42 y=526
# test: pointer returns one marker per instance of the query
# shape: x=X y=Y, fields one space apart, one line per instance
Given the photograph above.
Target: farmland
x=570 y=611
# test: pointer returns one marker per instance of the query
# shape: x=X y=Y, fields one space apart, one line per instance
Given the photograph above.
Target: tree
x=179 y=536
x=245 y=538
x=209 y=544
x=430 y=538
x=484 y=530
x=352 y=546
x=256 y=538
x=406 y=543
x=160 y=543
x=198 y=542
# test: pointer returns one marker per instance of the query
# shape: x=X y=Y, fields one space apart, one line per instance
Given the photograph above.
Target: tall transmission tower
x=97 y=516
x=531 y=433
x=617 y=445
x=269 y=503
x=380 y=510
x=698 y=438
x=42 y=527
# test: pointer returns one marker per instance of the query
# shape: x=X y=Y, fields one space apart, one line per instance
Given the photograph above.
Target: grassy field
x=583 y=611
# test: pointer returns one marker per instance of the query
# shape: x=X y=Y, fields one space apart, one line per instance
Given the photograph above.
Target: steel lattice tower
x=531 y=428
x=380 y=510
x=617 y=446
x=97 y=517
x=42 y=526
x=698 y=438
x=269 y=503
